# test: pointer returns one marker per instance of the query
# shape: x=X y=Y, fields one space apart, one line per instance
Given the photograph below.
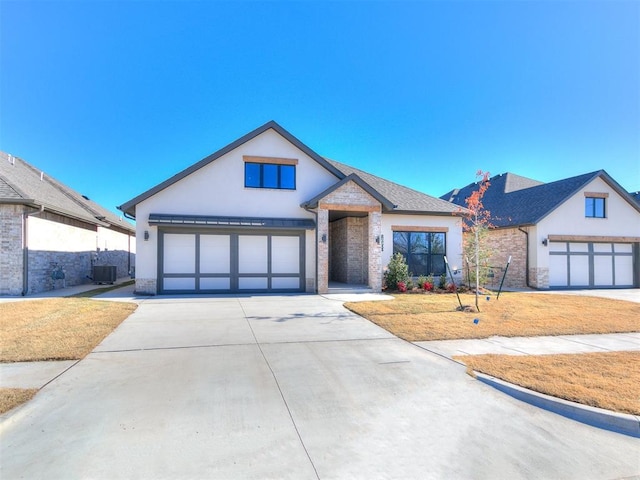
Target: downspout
x=25 y=248
x=526 y=274
x=130 y=217
x=315 y=213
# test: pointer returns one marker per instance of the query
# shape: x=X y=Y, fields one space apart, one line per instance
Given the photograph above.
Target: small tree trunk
x=477 y=269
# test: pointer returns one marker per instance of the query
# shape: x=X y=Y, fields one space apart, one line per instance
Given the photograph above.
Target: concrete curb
x=597 y=417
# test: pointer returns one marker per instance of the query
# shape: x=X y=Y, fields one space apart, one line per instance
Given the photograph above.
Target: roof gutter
x=25 y=247
x=526 y=273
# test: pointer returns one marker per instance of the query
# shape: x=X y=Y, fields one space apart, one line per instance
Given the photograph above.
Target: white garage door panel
x=623 y=248
x=285 y=282
x=217 y=283
x=253 y=283
x=593 y=265
x=252 y=254
x=579 y=271
x=603 y=270
x=179 y=253
x=228 y=261
x=285 y=255
x=179 y=284
x=624 y=271
x=558 y=270
x=215 y=254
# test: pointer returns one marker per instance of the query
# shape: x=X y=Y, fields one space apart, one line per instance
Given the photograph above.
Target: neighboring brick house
x=579 y=232
x=268 y=214
x=51 y=236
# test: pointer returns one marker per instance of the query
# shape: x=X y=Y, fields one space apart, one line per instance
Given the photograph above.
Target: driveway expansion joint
x=284 y=400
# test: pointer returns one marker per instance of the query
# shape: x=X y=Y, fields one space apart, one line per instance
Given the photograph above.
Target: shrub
x=428 y=286
x=443 y=281
x=451 y=287
x=397 y=272
x=421 y=280
x=402 y=287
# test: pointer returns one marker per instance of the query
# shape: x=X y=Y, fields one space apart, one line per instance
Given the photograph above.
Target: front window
x=594 y=207
x=423 y=251
x=267 y=175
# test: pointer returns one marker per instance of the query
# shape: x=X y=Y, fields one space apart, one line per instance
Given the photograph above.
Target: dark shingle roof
x=512 y=203
x=23 y=183
x=405 y=198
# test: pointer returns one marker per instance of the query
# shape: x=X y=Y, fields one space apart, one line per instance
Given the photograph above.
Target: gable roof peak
x=129 y=207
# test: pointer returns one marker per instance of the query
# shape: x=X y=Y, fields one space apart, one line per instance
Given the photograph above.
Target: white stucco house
x=268 y=214
x=578 y=232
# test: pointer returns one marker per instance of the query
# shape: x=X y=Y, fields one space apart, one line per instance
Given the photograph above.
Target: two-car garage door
x=590 y=265
x=216 y=262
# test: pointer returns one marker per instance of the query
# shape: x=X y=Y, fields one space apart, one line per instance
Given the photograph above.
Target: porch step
x=346 y=288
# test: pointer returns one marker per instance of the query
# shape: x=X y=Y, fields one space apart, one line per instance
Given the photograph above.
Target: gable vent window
x=594 y=207
x=279 y=174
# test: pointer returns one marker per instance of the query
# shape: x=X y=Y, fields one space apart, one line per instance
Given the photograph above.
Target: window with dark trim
x=594 y=207
x=268 y=175
x=423 y=251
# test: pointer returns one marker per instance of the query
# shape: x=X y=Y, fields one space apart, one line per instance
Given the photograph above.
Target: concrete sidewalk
x=535 y=345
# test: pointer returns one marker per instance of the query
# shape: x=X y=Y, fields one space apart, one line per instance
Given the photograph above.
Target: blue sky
x=114 y=97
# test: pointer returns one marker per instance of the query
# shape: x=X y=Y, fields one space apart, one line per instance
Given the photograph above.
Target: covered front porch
x=349 y=229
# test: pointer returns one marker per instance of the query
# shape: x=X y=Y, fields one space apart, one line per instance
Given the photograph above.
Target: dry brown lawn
x=12 y=397
x=58 y=328
x=53 y=329
x=416 y=317
x=608 y=380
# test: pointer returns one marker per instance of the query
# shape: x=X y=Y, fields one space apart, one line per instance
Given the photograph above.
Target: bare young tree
x=476 y=225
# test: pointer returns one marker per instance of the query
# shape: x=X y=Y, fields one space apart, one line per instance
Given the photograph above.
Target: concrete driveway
x=286 y=387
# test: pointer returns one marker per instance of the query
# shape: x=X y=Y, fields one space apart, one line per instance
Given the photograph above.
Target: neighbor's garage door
x=590 y=265
x=231 y=262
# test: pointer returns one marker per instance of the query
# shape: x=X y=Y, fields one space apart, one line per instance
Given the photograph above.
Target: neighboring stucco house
x=268 y=214
x=579 y=232
x=51 y=236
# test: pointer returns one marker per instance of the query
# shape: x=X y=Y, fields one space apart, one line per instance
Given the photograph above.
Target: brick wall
x=11 y=257
x=57 y=246
x=504 y=243
x=374 y=260
x=348 y=250
x=146 y=286
x=337 y=248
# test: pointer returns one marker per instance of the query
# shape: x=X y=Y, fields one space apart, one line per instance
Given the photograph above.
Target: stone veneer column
x=323 y=250
x=375 y=251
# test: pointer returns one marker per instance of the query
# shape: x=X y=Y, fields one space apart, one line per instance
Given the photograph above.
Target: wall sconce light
x=545 y=242
x=146 y=235
x=456 y=270
x=323 y=239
